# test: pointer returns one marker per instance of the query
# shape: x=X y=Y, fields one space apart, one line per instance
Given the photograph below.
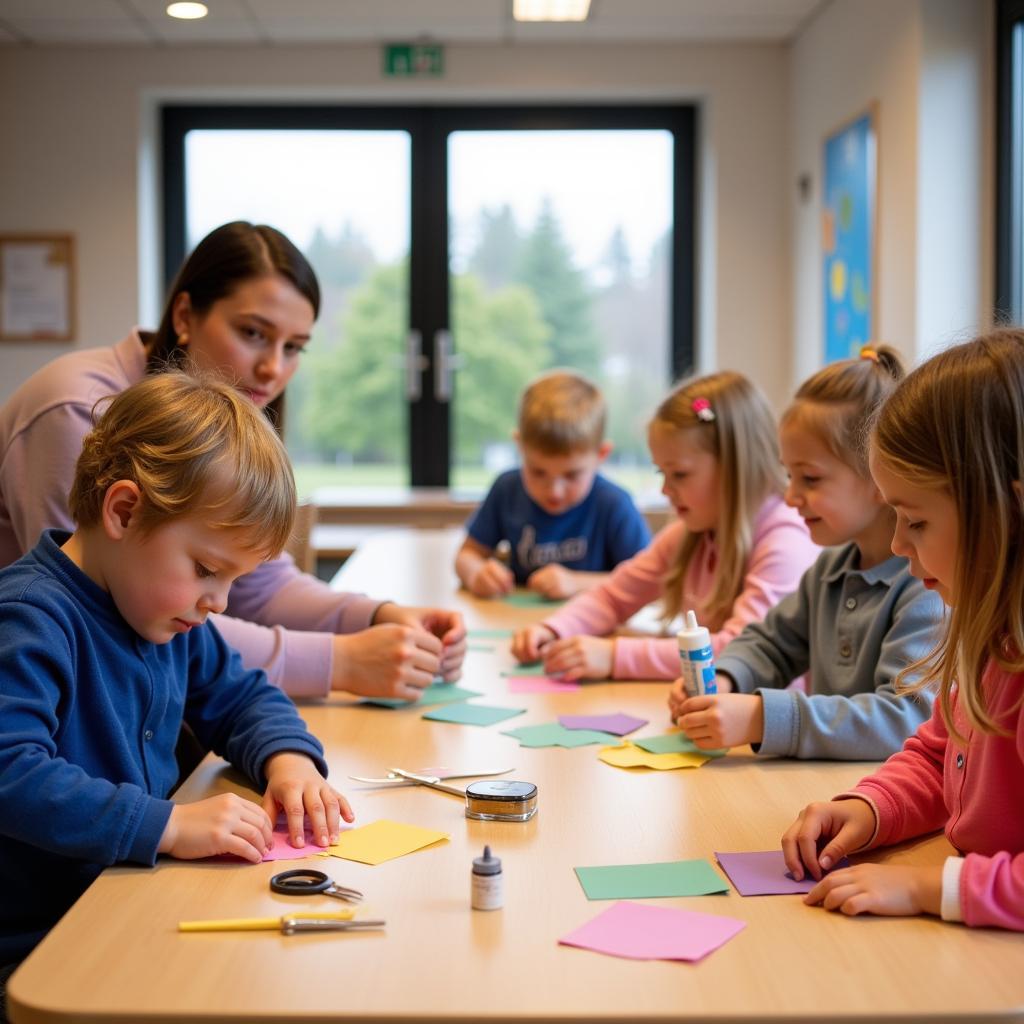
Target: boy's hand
x=491 y=579
x=887 y=889
x=555 y=582
x=528 y=643
x=846 y=825
x=580 y=657
x=388 y=660
x=719 y=720
x=220 y=824
x=446 y=625
x=295 y=786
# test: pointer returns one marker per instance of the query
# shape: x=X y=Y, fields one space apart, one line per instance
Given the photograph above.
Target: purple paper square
x=618 y=724
x=764 y=873
x=640 y=931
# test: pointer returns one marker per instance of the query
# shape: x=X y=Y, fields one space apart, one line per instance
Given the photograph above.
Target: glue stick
x=696 y=658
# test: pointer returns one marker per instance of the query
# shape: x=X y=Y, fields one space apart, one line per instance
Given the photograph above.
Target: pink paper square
x=640 y=931
x=540 y=684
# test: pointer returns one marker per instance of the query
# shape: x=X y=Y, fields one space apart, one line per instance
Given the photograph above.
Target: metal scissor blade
x=432 y=781
x=397 y=780
x=292 y=925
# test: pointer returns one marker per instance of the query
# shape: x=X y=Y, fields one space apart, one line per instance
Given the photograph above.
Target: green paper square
x=436 y=693
x=489 y=634
x=529 y=599
x=534 y=668
x=473 y=714
x=674 y=743
x=553 y=734
x=649 y=881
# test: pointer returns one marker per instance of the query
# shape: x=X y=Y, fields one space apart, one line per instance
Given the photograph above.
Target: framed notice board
x=37 y=287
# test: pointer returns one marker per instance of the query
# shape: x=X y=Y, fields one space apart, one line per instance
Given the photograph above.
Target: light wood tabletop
x=117 y=955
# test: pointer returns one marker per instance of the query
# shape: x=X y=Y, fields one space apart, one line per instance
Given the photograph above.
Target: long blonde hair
x=957 y=424
x=740 y=433
x=193 y=446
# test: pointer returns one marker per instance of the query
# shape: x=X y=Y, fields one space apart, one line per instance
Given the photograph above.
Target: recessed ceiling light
x=187 y=11
x=550 y=10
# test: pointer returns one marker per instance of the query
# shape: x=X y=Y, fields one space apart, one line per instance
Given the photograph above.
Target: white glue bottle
x=488 y=887
x=696 y=658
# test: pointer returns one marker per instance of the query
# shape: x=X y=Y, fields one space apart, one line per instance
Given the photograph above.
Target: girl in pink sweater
x=734 y=551
x=947 y=453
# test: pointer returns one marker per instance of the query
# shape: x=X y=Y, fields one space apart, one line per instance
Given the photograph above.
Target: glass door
x=460 y=250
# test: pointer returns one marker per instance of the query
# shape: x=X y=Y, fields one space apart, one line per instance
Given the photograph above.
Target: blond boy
x=565 y=524
x=181 y=487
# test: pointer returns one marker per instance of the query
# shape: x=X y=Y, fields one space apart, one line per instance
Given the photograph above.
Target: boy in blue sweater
x=181 y=487
x=566 y=525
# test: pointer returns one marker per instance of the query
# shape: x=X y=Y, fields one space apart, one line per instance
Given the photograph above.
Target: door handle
x=413 y=362
x=446 y=362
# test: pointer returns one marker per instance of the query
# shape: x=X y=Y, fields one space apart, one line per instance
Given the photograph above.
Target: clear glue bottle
x=696 y=658
x=488 y=889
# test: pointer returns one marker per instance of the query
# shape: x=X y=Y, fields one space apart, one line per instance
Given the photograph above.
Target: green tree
x=503 y=342
x=496 y=256
x=356 y=403
x=546 y=268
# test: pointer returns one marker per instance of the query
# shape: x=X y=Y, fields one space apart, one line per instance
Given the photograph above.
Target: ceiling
x=288 y=22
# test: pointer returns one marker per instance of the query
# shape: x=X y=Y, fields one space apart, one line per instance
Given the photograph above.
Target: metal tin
x=501 y=800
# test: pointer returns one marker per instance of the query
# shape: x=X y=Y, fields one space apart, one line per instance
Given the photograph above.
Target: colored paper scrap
x=383 y=840
x=551 y=734
x=641 y=931
x=629 y=755
x=764 y=873
x=618 y=724
x=473 y=714
x=436 y=693
x=541 y=684
x=533 y=668
x=646 y=881
x=481 y=648
x=529 y=599
x=489 y=634
x=674 y=743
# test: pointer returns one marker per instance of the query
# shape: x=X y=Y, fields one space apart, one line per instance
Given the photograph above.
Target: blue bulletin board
x=849 y=236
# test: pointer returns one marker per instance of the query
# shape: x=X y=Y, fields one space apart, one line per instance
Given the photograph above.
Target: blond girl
x=947 y=453
x=733 y=551
x=858 y=616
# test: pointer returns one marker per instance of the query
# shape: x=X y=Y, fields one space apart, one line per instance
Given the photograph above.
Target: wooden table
x=117 y=956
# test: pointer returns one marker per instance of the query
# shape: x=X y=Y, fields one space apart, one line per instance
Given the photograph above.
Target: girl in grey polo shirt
x=858 y=616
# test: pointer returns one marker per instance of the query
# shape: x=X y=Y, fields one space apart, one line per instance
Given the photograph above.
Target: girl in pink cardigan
x=947 y=453
x=734 y=551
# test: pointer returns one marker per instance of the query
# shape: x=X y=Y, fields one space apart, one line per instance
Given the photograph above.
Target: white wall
x=77 y=125
x=928 y=66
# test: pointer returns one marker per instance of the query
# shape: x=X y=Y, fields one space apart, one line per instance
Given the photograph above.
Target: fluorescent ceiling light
x=550 y=10
x=187 y=11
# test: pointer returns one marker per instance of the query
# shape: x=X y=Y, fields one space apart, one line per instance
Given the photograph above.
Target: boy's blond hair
x=732 y=420
x=194 y=446
x=956 y=424
x=561 y=413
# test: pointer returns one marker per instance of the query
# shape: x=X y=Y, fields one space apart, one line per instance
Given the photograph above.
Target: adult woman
x=243 y=304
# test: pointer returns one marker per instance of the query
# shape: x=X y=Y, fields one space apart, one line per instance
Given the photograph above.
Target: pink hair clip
x=702 y=410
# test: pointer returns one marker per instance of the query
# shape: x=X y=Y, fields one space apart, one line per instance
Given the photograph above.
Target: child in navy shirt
x=566 y=525
x=181 y=487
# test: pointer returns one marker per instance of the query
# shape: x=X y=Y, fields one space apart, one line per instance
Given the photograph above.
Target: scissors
x=304 y=882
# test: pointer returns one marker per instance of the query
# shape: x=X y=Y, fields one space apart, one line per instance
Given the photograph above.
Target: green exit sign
x=414 y=60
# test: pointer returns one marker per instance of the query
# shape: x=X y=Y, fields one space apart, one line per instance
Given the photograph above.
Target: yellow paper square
x=629 y=755
x=383 y=840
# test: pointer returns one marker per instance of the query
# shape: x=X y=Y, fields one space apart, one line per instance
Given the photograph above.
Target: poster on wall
x=37 y=288
x=850 y=235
